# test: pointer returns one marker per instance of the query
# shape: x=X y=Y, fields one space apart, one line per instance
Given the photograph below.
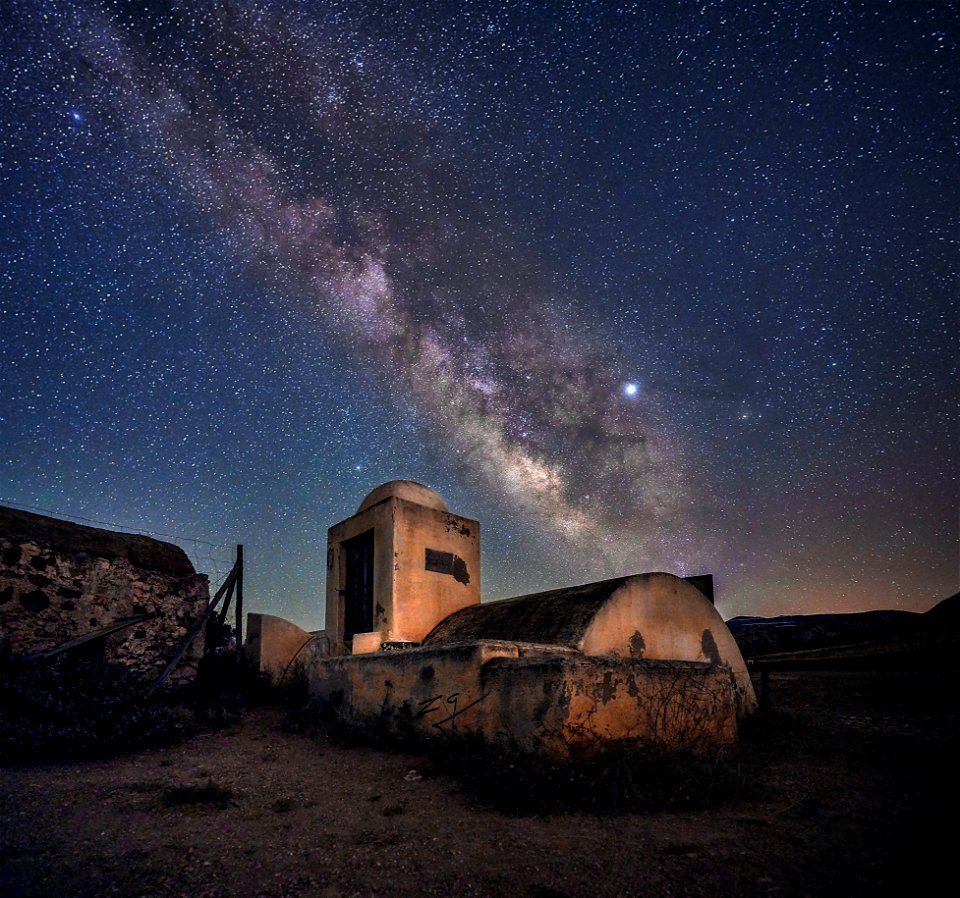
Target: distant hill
x=859 y=639
x=946 y=613
x=797 y=632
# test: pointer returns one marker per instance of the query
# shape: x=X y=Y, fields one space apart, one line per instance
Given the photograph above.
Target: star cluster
x=640 y=286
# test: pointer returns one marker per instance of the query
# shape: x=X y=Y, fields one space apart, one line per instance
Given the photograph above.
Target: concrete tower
x=397 y=568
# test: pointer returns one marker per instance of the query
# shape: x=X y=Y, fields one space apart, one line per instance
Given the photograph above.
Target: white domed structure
x=408 y=490
x=402 y=563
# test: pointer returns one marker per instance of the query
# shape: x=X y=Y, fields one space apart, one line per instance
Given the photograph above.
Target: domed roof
x=408 y=490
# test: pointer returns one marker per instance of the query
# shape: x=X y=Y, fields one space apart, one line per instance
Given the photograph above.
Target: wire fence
x=210 y=558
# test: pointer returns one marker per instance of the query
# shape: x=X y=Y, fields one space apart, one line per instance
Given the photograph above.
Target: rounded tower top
x=408 y=490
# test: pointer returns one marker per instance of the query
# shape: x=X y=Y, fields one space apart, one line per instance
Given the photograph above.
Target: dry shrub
x=68 y=708
x=614 y=777
x=208 y=794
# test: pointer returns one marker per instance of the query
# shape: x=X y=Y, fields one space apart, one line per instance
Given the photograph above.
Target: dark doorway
x=358 y=591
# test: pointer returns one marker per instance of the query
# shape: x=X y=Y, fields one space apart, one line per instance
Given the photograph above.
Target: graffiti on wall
x=448 y=705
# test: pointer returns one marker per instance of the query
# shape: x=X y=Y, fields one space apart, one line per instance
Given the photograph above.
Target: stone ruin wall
x=51 y=593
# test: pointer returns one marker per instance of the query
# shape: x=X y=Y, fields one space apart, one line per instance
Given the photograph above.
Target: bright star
x=76 y=116
x=631 y=388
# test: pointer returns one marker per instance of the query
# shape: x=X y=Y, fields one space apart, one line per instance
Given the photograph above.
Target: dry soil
x=847 y=782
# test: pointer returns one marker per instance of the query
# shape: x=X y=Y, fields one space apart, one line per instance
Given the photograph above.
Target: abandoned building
x=61 y=583
x=408 y=645
x=410 y=648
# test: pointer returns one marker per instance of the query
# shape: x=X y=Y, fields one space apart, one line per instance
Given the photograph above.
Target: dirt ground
x=847 y=781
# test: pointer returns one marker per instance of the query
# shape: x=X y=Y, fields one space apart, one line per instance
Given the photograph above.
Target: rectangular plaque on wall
x=441 y=562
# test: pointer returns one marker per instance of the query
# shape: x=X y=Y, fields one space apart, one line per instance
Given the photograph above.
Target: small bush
x=619 y=777
x=292 y=687
x=601 y=777
x=70 y=708
x=209 y=794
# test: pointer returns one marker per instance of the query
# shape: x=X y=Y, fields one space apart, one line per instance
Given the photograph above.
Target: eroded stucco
x=273 y=643
x=544 y=699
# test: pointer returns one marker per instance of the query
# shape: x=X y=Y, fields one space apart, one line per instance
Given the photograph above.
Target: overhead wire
x=203 y=553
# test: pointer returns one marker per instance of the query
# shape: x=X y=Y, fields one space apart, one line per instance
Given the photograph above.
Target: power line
x=200 y=555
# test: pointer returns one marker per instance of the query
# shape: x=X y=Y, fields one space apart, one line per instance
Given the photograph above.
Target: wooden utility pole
x=238 y=604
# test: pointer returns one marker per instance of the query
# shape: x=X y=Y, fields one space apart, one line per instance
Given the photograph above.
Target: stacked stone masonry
x=60 y=581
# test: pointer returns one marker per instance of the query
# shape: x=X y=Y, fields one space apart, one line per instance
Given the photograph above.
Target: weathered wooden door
x=358 y=591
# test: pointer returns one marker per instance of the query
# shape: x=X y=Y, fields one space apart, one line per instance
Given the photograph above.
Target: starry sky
x=640 y=286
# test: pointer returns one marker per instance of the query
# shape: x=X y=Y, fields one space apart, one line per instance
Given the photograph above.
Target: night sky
x=652 y=286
